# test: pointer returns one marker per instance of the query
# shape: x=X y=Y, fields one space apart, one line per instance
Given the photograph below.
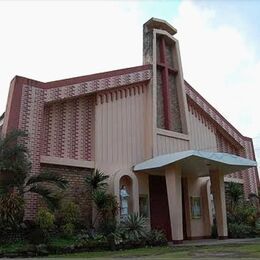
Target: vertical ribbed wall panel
x=202 y=133
x=120 y=127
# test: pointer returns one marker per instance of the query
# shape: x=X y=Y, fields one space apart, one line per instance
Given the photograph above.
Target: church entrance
x=159 y=209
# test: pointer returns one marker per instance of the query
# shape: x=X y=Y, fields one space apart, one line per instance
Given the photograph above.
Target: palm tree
x=37 y=184
x=104 y=203
x=14 y=161
x=97 y=180
x=234 y=194
x=15 y=166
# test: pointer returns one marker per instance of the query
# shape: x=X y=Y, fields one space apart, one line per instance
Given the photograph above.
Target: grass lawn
x=231 y=251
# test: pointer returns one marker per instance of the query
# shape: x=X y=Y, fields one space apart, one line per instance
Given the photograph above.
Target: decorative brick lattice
x=226 y=146
x=31 y=119
x=250 y=175
x=68 y=129
x=88 y=87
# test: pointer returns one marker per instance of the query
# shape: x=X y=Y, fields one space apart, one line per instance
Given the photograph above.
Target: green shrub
x=242 y=220
x=107 y=227
x=241 y=215
x=68 y=217
x=134 y=227
x=105 y=203
x=257 y=227
x=156 y=238
x=68 y=229
x=69 y=213
x=45 y=219
x=130 y=232
x=11 y=210
x=91 y=242
x=236 y=230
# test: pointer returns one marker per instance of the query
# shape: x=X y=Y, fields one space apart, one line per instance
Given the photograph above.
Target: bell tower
x=161 y=50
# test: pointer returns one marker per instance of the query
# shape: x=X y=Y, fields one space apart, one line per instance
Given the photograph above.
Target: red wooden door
x=160 y=218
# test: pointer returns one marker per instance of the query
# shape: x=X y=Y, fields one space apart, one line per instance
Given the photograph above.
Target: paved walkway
x=207 y=242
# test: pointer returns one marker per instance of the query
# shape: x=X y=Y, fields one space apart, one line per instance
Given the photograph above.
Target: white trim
x=159 y=31
x=236 y=180
x=67 y=162
x=177 y=135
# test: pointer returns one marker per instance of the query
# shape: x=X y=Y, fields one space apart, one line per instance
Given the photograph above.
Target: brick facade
x=69 y=129
x=77 y=190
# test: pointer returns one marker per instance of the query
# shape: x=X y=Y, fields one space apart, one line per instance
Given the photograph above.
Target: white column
x=218 y=190
x=174 y=193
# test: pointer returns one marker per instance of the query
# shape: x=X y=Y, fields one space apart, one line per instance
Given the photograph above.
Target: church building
x=144 y=126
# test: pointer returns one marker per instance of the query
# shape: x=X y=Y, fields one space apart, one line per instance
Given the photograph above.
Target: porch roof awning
x=197 y=162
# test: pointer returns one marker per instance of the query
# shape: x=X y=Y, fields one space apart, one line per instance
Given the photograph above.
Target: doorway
x=159 y=208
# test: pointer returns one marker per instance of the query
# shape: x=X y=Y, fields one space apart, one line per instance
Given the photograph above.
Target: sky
x=219 y=44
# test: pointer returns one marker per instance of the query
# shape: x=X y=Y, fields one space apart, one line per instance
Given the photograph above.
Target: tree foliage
x=241 y=214
x=235 y=195
x=105 y=203
x=97 y=180
x=15 y=178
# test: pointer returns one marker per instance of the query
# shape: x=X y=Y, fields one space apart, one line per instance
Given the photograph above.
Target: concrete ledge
x=67 y=162
x=198 y=238
x=209 y=242
x=177 y=242
x=176 y=135
x=222 y=237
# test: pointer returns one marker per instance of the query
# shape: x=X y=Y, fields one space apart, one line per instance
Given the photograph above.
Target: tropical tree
x=14 y=161
x=97 y=180
x=241 y=214
x=235 y=194
x=105 y=204
x=15 y=180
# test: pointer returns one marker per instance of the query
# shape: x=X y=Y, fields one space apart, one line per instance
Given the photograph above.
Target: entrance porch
x=179 y=185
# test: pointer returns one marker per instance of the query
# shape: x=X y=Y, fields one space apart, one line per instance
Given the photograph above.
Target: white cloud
x=218 y=62
x=221 y=65
x=60 y=39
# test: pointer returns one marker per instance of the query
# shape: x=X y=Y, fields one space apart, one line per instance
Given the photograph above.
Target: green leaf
x=48 y=177
x=97 y=180
x=49 y=197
